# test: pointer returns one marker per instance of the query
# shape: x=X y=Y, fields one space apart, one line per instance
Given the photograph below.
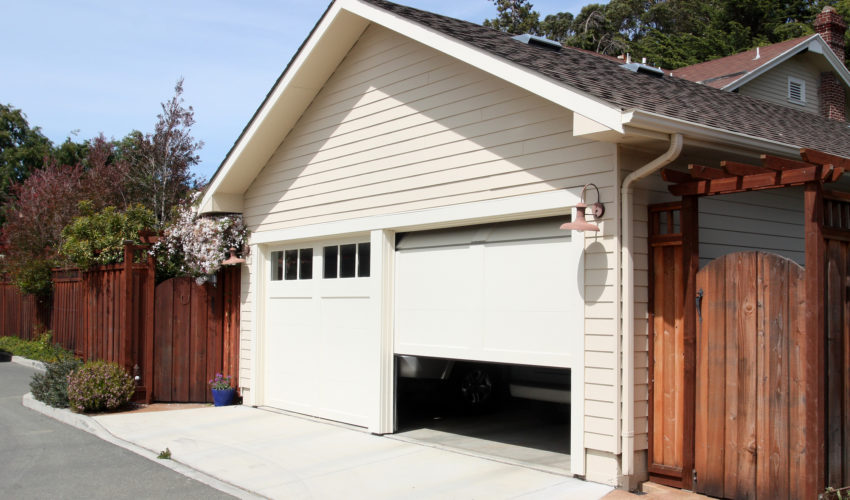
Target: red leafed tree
x=46 y=202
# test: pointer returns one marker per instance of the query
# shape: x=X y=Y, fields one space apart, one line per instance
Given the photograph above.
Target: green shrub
x=97 y=238
x=51 y=387
x=40 y=349
x=98 y=386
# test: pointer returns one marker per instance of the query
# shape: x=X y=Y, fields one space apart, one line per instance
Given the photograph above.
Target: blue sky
x=94 y=66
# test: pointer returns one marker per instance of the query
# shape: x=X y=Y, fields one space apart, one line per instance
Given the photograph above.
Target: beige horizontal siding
x=401 y=127
x=246 y=327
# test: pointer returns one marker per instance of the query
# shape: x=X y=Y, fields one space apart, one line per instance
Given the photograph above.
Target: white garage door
x=319 y=334
x=508 y=292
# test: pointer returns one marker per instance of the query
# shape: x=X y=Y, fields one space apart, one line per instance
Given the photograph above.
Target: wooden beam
x=703 y=172
x=811 y=455
x=690 y=255
x=837 y=172
x=836 y=195
x=821 y=158
x=777 y=163
x=749 y=182
x=735 y=168
x=676 y=176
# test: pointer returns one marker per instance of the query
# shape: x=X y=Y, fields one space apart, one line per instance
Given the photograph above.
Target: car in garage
x=479 y=386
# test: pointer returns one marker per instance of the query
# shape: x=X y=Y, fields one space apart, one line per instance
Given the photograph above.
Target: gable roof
x=729 y=73
x=598 y=89
x=668 y=97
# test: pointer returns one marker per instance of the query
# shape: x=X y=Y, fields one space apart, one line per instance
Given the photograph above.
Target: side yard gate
x=750 y=355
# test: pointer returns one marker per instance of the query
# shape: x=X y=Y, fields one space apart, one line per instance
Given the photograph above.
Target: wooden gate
x=751 y=321
x=195 y=336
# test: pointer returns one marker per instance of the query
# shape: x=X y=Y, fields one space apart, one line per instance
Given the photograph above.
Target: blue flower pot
x=223 y=397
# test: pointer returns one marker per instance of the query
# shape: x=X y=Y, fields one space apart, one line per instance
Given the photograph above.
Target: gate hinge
x=694 y=478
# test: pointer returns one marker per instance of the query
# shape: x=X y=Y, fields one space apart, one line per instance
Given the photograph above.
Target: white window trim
x=802 y=85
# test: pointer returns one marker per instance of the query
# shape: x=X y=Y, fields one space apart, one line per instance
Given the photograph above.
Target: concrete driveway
x=283 y=456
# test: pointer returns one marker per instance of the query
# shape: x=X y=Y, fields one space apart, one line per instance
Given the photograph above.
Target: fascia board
x=814 y=44
x=333 y=37
x=704 y=134
x=547 y=88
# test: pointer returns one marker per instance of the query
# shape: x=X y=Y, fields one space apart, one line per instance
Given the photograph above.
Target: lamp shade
x=233 y=259
x=580 y=224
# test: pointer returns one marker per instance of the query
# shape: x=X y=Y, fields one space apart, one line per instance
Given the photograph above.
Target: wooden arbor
x=821 y=355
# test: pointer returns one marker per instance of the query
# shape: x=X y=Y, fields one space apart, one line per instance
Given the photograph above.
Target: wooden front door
x=751 y=321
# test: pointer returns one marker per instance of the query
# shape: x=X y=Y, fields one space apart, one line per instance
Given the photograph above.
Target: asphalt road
x=43 y=458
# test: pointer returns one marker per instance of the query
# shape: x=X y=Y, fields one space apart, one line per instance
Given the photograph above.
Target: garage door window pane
x=277 y=266
x=305 y=260
x=290 y=264
x=330 y=258
x=347 y=260
x=363 y=260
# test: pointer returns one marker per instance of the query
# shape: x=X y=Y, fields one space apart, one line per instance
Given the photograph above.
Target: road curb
x=92 y=426
x=38 y=365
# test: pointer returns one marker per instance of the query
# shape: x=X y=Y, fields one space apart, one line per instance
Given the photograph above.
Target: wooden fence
x=23 y=315
x=837 y=367
x=109 y=313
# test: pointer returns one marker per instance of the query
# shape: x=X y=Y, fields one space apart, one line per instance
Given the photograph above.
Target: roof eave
x=705 y=135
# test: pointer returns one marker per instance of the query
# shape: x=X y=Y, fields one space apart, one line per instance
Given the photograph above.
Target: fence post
x=150 y=287
x=127 y=309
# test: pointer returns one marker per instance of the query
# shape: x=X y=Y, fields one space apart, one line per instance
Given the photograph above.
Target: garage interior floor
x=532 y=433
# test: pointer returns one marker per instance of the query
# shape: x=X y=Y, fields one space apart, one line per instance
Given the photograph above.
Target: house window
x=292 y=264
x=346 y=261
x=796 y=90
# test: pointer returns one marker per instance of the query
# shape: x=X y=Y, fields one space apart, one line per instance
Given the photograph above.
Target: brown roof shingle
x=720 y=72
x=671 y=97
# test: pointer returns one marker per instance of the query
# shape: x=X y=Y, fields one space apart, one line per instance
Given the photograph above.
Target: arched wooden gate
x=751 y=320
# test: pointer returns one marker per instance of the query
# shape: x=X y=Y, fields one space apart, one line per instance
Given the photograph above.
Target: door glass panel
x=330 y=258
x=290 y=263
x=347 y=260
x=305 y=270
x=277 y=266
x=363 y=254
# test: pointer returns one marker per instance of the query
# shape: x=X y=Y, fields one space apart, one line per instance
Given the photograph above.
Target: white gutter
x=628 y=328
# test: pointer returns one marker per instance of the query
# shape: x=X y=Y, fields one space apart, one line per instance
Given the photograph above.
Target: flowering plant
x=203 y=242
x=98 y=386
x=220 y=382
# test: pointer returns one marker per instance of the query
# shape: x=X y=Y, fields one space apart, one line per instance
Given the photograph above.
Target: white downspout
x=628 y=327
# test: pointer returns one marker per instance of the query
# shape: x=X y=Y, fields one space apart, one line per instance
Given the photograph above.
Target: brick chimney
x=831 y=27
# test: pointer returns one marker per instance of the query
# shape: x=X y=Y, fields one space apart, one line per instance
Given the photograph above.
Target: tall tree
x=159 y=164
x=22 y=148
x=672 y=33
x=515 y=17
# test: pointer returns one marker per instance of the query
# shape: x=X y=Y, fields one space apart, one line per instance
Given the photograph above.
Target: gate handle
x=699 y=304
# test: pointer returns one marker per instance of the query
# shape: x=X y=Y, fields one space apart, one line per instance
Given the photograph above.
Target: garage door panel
x=538 y=337
x=443 y=328
x=318 y=338
x=513 y=300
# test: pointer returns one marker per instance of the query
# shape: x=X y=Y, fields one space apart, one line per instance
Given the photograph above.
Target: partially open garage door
x=507 y=292
x=320 y=348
